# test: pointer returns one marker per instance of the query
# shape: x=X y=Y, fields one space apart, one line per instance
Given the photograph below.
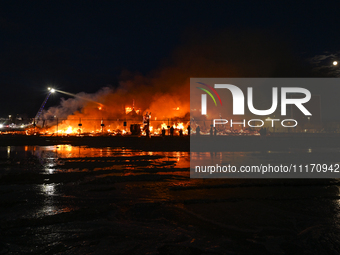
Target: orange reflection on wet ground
x=67 y=158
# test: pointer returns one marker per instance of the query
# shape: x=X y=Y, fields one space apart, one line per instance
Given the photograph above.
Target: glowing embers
x=128 y=110
x=179 y=126
x=131 y=110
x=98 y=127
x=69 y=130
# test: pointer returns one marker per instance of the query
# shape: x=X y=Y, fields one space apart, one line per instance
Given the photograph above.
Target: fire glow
x=66 y=130
x=96 y=120
x=128 y=109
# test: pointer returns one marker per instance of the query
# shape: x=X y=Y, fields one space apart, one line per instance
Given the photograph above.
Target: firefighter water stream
x=65 y=199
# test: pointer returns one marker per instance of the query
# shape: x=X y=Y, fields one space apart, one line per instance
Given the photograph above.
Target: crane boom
x=42 y=106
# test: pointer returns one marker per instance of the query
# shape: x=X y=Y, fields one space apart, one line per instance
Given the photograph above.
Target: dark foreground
x=167 y=143
x=104 y=201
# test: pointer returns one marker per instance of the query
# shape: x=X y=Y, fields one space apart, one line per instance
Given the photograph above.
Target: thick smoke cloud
x=165 y=92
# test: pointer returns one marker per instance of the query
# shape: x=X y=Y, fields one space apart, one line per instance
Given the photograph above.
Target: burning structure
x=129 y=109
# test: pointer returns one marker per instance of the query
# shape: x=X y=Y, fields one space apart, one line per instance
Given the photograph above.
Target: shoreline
x=185 y=143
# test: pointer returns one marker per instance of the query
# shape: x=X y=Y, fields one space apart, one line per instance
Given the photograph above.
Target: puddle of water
x=53 y=157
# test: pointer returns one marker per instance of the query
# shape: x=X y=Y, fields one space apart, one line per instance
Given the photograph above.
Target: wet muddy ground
x=78 y=200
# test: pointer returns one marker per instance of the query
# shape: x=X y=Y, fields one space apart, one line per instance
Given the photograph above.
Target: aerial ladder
x=42 y=106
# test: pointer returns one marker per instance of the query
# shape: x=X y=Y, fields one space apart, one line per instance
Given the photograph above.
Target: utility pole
x=79 y=125
x=102 y=125
x=168 y=128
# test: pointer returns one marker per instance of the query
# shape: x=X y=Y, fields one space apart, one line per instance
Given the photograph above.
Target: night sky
x=86 y=45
